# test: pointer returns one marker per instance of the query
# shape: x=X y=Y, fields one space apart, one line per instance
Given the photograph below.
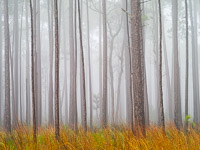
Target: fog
x=120 y=59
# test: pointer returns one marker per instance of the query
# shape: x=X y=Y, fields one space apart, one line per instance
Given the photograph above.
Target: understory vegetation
x=109 y=138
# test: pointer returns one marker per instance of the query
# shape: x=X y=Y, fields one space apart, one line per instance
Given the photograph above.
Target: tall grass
x=109 y=138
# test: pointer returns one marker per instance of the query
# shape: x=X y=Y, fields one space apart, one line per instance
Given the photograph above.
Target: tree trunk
x=7 y=115
x=129 y=102
x=177 y=96
x=33 y=74
x=195 y=69
x=89 y=66
x=138 y=86
x=1 y=58
x=169 y=90
x=72 y=64
x=104 y=100
x=187 y=63
x=28 y=104
x=16 y=65
x=50 y=26
x=82 y=70
x=162 y=121
x=38 y=66
x=57 y=130
x=100 y=58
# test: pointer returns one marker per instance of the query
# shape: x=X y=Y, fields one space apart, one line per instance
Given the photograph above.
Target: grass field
x=109 y=139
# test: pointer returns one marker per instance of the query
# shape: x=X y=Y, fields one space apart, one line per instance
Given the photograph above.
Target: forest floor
x=109 y=139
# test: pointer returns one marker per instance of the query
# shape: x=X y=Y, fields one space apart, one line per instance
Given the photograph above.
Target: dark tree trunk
x=7 y=115
x=33 y=75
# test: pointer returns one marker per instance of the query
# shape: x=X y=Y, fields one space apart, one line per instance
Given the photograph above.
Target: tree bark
x=162 y=121
x=50 y=26
x=104 y=100
x=89 y=65
x=28 y=104
x=7 y=115
x=1 y=58
x=177 y=96
x=187 y=63
x=82 y=70
x=138 y=86
x=16 y=66
x=195 y=69
x=33 y=74
x=57 y=130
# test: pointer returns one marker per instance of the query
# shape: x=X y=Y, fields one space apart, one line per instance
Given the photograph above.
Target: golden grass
x=109 y=139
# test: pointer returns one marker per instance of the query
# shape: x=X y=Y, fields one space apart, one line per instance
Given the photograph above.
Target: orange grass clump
x=109 y=139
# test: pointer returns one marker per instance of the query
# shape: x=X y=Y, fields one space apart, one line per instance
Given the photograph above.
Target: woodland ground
x=109 y=139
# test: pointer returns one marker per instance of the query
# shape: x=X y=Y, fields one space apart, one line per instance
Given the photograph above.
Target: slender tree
x=177 y=96
x=195 y=69
x=100 y=57
x=28 y=104
x=82 y=70
x=1 y=58
x=7 y=115
x=57 y=132
x=16 y=66
x=72 y=64
x=89 y=65
x=38 y=65
x=104 y=100
x=187 y=62
x=33 y=75
x=129 y=102
x=50 y=26
x=162 y=121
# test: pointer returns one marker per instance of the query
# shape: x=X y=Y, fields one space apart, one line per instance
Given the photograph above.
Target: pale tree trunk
x=113 y=36
x=20 y=65
x=72 y=64
x=195 y=69
x=57 y=130
x=28 y=104
x=129 y=102
x=1 y=58
x=187 y=62
x=169 y=93
x=38 y=64
x=177 y=96
x=75 y=69
x=104 y=100
x=138 y=86
x=82 y=70
x=121 y=59
x=156 y=52
x=162 y=121
x=146 y=101
x=33 y=74
x=7 y=115
x=65 y=77
x=50 y=26
x=89 y=65
x=100 y=58
x=16 y=65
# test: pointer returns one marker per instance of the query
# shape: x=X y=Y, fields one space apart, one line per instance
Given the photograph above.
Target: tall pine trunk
x=33 y=74
x=57 y=130
x=138 y=86
x=7 y=115
x=82 y=70
x=104 y=100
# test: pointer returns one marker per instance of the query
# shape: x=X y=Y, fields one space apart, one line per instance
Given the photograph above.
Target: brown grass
x=109 y=139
